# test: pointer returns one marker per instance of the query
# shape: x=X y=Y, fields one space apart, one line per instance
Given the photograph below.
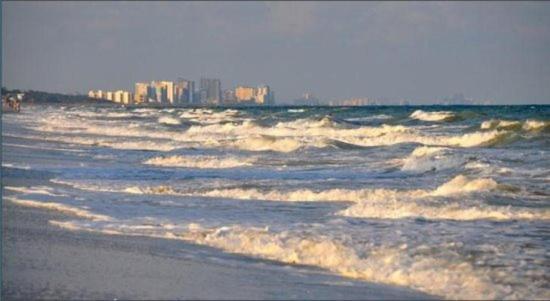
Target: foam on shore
x=392 y=264
x=72 y=210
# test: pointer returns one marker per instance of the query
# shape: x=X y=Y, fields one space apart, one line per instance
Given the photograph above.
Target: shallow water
x=451 y=201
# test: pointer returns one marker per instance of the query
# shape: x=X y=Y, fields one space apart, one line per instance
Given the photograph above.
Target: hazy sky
x=420 y=51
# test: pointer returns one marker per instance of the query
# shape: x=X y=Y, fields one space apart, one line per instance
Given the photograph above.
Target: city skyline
x=182 y=92
x=419 y=51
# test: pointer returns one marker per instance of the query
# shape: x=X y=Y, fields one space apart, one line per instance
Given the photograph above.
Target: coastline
x=42 y=261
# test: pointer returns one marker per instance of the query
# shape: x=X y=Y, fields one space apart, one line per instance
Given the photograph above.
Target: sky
x=419 y=51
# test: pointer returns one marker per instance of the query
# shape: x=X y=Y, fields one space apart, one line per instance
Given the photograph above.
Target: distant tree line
x=32 y=96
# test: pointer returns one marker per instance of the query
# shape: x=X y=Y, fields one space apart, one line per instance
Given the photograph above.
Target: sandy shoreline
x=42 y=261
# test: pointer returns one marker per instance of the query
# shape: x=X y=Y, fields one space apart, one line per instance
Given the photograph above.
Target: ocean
x=453 y=201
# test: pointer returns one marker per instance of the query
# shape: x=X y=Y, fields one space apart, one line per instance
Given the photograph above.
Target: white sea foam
x=390 y=204
x=247 y=134
x=500 y=124
x=370 y=118
x=396 y=265
x=169 y=120
x=466 y=140
x=461 y=184
x=369 y=203
x=432 y=116
x=61 y=208
x=426 y=158
x=10 y=165
x=527 y=125
x=420 y=204
x=44 y=190
x=200 y=161
x=531 y=125
x=268 y=143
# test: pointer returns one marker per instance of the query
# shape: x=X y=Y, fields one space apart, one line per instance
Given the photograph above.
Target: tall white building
x=117 y=96
x=264 y=95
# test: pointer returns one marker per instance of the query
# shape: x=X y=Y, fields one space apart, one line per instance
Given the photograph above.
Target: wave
x=378 y=203
x=44 y=190
x=433 y=116
x=425 y=158
x=168 y=120
x=199 y=161
x=531 y=125
x=370 y=118
x=405 y=204
x=268 y=143
x=248 y=134
x=475 y=139
x=295 y=110
x=389 y=264
x=61 y=208
x=394 y=204
x=528 y=125
x=206 y=116
x=461 y=184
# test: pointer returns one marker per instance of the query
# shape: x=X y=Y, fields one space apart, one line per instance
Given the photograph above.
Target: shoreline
x=43 y=261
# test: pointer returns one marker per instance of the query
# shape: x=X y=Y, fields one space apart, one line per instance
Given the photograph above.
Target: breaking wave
x=247 y=134
x=425 y=158
x=389 y=264
x=433 y=116
x=199 y=161
x=169 y=120
x=528 y=125
x=446 y=202
x=269 y=143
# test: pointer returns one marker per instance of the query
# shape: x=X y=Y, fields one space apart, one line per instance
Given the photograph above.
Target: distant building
x=141 y=92
x=245 y=94
x=127 y=97
x=184 y=91
x=211 y=91
x=108 y=95
x=117 y=96
x=307 y=99
x=229 y=96
x=96 y=94
x=264 y=96
x=162 y=92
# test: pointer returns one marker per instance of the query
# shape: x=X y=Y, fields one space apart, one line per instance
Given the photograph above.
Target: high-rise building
x=245 y=94
x=151 y=93
x=184 y=91
x=264 y=95
x=141 y=92
x=117 y=96
x=229 y=96
x=108 y=95
x=162 y=92
x=169 y=91
x=212 y=90
x=126 y=97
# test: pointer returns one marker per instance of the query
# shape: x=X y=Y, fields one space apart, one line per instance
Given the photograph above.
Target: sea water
x=453 y=201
